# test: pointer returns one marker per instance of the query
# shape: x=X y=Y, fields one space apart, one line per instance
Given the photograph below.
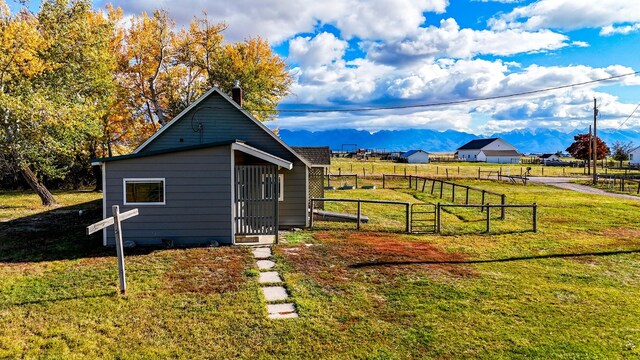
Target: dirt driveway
x=566 y=183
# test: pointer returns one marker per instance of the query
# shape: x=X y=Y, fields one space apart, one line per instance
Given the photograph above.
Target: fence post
x=416 y=183
x=311 y=214
x=340 y=171
x=535 y=217
x=458 y=170
x=447 y=171
x=356 y=181
x=542 y=171
x=424 y=183
x=453 y=193
x=394 y=169
x=441 y=186
x=410 y=183
x=438 y=221
x=383 y=178
x=416 y=169
x=488 y=218
x=358 y=219
x=482 y=202
x=405 y=171
x=433 y=185
x=328 y=180
x=466 y=200
x=437 y=170
x=503 y=201
x=408 y=217
x=478 y=172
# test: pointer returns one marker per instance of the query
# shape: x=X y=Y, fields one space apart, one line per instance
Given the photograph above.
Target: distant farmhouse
x=634 y=157
x=545 y=158
x=415 y=157
x=494 y=150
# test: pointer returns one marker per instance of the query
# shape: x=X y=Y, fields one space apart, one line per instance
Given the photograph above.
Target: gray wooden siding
x=198 y=197
x=221 y=121
x=293 y=210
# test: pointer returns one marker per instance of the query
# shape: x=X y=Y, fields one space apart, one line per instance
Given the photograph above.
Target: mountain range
x=528 y=141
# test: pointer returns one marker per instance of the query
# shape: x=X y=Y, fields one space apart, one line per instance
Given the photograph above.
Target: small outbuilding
x=493 y=150
x=415 y=157
x=213 y=174
x=545 y=158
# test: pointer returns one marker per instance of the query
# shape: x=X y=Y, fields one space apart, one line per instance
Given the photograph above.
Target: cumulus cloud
x=278 y=20
x=612 y=30
x=322 y=49
x=449 y=40
x=568 y=15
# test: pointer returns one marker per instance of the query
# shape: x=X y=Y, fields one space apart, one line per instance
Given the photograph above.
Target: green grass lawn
x=569 y=291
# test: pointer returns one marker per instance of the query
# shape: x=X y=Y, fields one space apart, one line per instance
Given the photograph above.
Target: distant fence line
x=438 y=185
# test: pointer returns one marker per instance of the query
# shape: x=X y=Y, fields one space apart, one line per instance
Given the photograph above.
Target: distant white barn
x=415 y=156
x=634 y=157
x=494 y=150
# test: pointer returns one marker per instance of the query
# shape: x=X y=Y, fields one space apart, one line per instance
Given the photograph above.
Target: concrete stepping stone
x=262 y=253
x=281 y=311
x=265 y=264
x=275 y=293
x=269 y=277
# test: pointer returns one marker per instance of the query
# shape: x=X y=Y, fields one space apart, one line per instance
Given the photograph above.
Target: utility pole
x=595 y=142
x=590 y=151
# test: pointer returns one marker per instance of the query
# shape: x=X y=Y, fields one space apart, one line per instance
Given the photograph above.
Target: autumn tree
x=620 y=151
x=582 y=146
x=54 y=82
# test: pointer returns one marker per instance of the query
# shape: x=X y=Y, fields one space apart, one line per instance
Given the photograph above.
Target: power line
x=628 y=117
x=457 y=102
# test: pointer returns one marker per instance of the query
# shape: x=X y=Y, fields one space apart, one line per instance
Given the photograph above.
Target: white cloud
x=449 y=40
x=612 y=30
x=568 y=15
x=322 y=49
x=278 y=20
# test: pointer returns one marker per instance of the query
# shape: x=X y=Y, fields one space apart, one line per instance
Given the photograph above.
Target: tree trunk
x=97 y=173
x=38 y=186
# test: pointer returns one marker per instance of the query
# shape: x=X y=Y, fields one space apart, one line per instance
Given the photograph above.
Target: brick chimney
x=236 y=93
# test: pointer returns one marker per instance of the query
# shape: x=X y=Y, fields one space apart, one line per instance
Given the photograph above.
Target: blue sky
x=358 y=53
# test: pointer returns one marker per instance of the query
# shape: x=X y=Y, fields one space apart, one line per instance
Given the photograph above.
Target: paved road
x=566 y=183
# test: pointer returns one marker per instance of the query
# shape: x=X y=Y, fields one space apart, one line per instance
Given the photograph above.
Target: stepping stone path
x=274 y=293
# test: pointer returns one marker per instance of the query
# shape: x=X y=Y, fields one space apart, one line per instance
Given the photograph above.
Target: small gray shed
x=214 y=173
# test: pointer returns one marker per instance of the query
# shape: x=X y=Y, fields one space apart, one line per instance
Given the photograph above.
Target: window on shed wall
x=144 y=191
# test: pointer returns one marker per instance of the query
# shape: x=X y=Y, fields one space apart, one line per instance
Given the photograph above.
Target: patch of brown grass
x=331 y=262
x=621 y=233
x=207 y=270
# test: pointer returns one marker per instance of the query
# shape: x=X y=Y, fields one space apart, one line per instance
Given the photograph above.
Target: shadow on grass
x=44 y=301
x=57 y=234
x=482 y=261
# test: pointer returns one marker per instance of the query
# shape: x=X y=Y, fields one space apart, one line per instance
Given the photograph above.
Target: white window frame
x=280 y=187
x=142 y=180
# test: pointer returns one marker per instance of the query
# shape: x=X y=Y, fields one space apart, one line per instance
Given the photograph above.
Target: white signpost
x=115 y=221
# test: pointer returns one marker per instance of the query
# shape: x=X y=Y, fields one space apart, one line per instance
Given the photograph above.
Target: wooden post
x=311 y=214
x=458 y=170
x=372 y=169
x=340 y=170
x=405 y=171
x=447 y=171
x=488 y=219
x=356 y=181
x=359 y=212
x=408 y=217
x=503 y=201
x=416 y=169
x=424 y=183
x=351 y=167
x=542 y=171
x=438 y=221
x=535 y=217
x=441 y=186
x=410 y=183
x=478 y=172
x=520 y=171
x=394 y=169
x=384 y=177
x=328 y=180
x=500 y=174
x=453 y=193
x=119 y=248
x=433 y=185
x=364 y=172
x=466 y=200
x=437 y=170
x=482 y=202
x=416 y=183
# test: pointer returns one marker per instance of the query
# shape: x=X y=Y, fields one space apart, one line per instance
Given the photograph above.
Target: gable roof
x=501 y=153
x=411 y=152
x=477 y=144
x=316 y=155
x=226 y=97
x=235 y=145
x=546 y=156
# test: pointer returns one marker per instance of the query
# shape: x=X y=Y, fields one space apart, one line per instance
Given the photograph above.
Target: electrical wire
x=456 y=102
x=628 y=117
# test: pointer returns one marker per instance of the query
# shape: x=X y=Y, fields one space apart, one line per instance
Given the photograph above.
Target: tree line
x=78 y=83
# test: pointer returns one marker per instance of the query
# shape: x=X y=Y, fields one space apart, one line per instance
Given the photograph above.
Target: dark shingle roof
x=477 y=144
x=316 y=155
x=546 y=156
